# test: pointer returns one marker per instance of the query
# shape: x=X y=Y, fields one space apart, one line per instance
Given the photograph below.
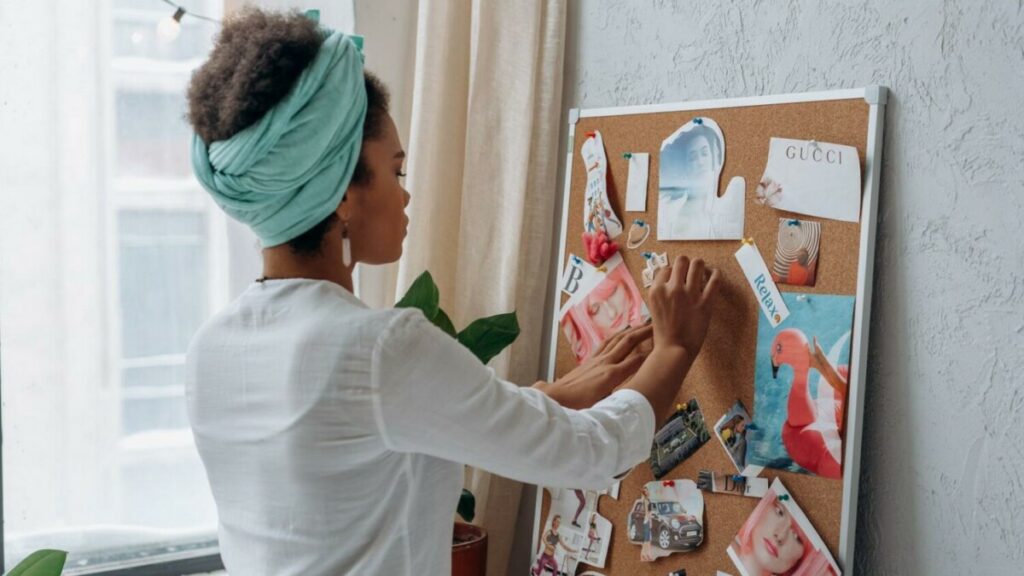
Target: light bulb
x=170 y=27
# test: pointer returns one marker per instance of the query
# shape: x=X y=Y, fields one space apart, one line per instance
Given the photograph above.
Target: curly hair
x=256 y=59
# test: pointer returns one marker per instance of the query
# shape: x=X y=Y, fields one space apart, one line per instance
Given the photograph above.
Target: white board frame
x=876 y=97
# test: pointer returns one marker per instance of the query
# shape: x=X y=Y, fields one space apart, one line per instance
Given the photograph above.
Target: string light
x=169 y=27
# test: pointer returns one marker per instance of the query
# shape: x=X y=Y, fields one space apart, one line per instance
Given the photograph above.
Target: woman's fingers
x=711 y=288
x=630 y=339
x=661 y=277
x=695 y=276
x=609 y=343
x=630 y=364
x=679 y=270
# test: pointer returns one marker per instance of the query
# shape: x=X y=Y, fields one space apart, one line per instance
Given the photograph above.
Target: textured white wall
x=942 y=484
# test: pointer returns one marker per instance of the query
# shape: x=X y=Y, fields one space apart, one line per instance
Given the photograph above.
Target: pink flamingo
x=810 y=435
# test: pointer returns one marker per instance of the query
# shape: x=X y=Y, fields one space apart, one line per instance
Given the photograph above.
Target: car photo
x=672 y=528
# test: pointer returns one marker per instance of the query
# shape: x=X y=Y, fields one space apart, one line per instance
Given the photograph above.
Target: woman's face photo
x=577 y=341
x=610 y=315
x=777 y=542
x=607 y=303
x=698 y=157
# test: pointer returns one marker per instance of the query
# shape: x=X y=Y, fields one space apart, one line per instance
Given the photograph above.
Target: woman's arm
x=433 y=397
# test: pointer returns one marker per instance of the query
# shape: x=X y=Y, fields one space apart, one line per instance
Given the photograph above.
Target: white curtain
x=482 y=173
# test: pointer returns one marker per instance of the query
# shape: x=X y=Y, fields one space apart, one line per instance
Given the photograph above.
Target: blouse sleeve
x=432 y=396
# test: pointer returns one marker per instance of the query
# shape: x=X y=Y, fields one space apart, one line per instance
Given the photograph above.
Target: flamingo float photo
x=813 y=427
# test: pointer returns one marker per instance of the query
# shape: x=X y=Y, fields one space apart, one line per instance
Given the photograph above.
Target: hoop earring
x=346 y=246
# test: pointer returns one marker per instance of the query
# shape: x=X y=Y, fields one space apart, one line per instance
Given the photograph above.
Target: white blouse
x=334 y=435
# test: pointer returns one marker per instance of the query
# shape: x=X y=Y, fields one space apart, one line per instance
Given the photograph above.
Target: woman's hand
x=680 y=301
x=613 y=363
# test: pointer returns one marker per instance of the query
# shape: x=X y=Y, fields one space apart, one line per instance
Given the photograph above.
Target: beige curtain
x=482 y=173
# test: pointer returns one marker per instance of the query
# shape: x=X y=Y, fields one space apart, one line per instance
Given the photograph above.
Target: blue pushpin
x=639 y=222
x=698 y=121
x=793 y=223
x=783 y=497
x=647 y=255
x=627 y=155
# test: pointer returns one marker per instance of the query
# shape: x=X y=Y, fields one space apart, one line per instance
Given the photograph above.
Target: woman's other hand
x=680 y=301
x=618 y=358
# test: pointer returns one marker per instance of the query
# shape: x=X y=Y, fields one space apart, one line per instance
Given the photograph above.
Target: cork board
x=724 y=371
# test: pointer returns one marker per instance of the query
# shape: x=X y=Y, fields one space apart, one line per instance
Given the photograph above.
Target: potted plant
x=41 y=563
x=485 y=338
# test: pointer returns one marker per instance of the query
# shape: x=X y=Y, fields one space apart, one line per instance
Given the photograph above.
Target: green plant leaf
x=442 y=321
x=467 y=506
x=41 y=563
x=487 y=337
x=424 y=295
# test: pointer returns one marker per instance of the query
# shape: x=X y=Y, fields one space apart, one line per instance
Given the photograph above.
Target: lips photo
x=771 y=548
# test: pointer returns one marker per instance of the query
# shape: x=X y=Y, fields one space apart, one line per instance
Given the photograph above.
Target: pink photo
x=606 y=303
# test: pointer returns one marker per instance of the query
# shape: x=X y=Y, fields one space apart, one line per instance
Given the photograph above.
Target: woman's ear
x=344 y=211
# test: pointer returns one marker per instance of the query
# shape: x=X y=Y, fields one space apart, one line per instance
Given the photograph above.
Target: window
x=123 y=259
x=111 y=256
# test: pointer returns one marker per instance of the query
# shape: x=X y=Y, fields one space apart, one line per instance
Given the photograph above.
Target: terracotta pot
x=469 y=551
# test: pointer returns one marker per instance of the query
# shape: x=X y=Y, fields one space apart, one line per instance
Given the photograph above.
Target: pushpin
x=747 y=241
x=591 y=134
x=627 y=155
x=647 y=255
x=783 y=497
x=793 y=222
x=738 y=478
x=814 y=144
x=801 y=297
x=698 y=121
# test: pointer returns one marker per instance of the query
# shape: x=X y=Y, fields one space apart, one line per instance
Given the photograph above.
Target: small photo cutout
x=796 y=254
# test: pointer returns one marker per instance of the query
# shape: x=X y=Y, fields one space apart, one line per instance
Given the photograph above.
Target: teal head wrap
x=289 y=171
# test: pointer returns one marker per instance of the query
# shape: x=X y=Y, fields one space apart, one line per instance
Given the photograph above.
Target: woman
x=771 y=543
x=734 y=436
x=552 y=539
x=334 y=435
